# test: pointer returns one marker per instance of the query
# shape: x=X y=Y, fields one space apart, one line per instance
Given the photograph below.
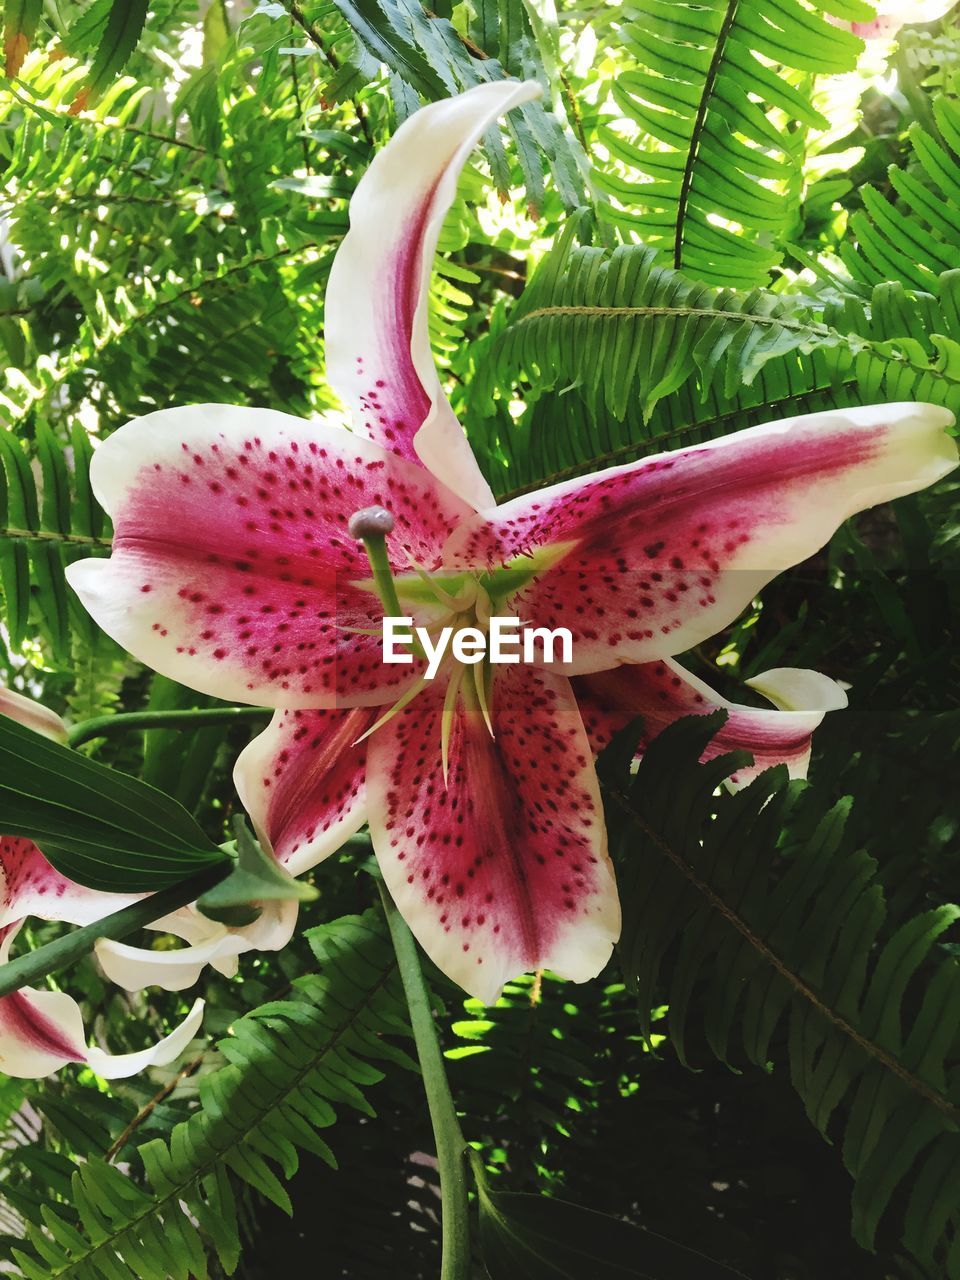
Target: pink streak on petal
x=232 y=566
x=662 y=692
x=664 y=553
x=22 y=1021
x=303 y=783
x=880 y=29
x=503 y=870
x=377 y=339
x=392 y=397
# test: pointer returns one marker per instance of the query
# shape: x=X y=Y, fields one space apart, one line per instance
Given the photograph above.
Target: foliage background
x=170 y=243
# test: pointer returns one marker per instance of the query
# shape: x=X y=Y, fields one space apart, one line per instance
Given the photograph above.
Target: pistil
x=370 y=525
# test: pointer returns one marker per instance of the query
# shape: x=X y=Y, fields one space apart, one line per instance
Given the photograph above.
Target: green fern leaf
x=753 y=917
x=915 y=239
x=719 y=99
x=290 y=1064
x=48 y=517
x=625 y=334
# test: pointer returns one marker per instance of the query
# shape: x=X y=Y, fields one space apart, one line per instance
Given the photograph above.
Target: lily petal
x=136 y=967
x=377 y=344
x=662 y=692
x=31 y=886
x=232 y=569
x=42 y=1031
x=648 y=560
x=32 y=714
x=505 y=869
x=302 y=781
x=894 y=14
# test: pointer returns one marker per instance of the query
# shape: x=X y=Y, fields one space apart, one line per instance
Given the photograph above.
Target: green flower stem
x=32 y=968
x=101 y=726
x=451 y=1144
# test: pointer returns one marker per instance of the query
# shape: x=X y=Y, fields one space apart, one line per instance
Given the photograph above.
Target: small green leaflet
x=86 y=30
x=121 y=33
x=97 y=826
x=389 y=46
x=539 y=1238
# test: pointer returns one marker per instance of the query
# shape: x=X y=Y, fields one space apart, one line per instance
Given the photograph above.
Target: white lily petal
x=377 y=340
x=136 y=967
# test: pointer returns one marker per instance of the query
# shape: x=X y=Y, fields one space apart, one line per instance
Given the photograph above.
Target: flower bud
x=31 y=714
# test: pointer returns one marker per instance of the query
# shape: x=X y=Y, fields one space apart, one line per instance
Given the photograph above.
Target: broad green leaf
x=99 y=827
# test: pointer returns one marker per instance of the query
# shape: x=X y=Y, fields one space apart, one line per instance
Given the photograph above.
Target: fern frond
x=429 y=58
x=625 y=334
x=905 y=345
x=559 y=437
x=917 y=237
x=291 y=1063
x=48 y=517
x=623 y=330
x=748 y=932
x=720 y=99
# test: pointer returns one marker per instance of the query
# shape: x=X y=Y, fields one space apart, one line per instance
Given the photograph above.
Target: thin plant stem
x=126 y=722
x=450 y=1142
x=146 y=1111
x=36 y=965
x=312 y=29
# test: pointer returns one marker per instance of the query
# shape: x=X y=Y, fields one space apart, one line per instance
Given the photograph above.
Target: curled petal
x=32 y=714
x=233 y=571
x=30 y=886
x=502 y=869
x=42 y=1031
x=662 y=692
x=302 y=781
x=210 y=943
x=377 y=344
x=648 y=560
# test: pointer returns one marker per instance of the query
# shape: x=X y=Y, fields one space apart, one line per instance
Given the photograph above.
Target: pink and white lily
x=234 y=571
x=41 y=1031
x=894 y=14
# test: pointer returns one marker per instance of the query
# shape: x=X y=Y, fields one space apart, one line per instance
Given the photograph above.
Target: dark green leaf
x=99 y=827
x=540 y=1238
x=120 y=35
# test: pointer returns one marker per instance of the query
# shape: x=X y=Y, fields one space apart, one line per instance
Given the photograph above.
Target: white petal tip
x=117 y=1066
x=531 y=90
x=796 y=689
